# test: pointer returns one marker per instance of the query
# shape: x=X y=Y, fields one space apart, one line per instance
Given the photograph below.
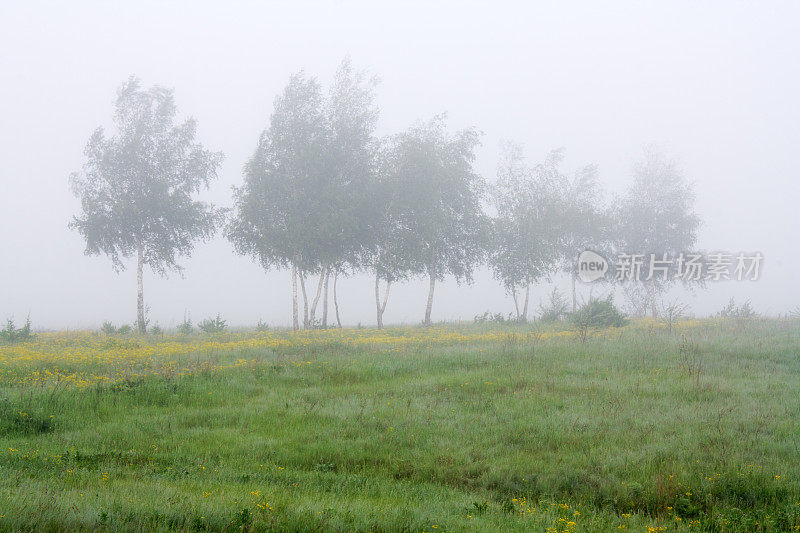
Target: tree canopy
x=138 y=188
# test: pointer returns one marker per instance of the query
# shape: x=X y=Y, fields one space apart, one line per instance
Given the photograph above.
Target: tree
x=526 y=232
x=352 y=117
x=441 y=203
x=270 y=207
x=305 y=198
x=656 y=215
x=138 y=188
x=584 y=222
x=393 y=247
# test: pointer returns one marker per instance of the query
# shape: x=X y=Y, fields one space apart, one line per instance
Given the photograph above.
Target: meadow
x=450 y=428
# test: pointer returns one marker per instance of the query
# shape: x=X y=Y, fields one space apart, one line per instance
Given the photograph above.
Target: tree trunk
x=139 y=288
x=305 y=300
x=325 y=301
x=295 y=321
x=428 y=307
x=525 y=305
x=516 y=304
x=653 y=306
x=381 y=307
x=316 y=297
x=336 y=300
x=378 y=301
x=385 y=299
x=574 y=294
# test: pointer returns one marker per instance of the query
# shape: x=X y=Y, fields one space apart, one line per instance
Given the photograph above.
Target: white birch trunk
x=295 y=321
x=514 y=296
x=380 y=308
x=316 y=297
x=336 y=300
x=525 y=305
x=139 y=287
x=325 y=301
x=431 y=286
x=305 y=299
x=574 y=294
x=378 y=301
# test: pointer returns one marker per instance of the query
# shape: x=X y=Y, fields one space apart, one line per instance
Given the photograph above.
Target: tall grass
x=461 y=428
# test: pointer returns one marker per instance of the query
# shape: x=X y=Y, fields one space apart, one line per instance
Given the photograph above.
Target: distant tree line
x=324 y=197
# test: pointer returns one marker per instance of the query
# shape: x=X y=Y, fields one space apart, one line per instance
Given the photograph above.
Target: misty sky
x=714 y=84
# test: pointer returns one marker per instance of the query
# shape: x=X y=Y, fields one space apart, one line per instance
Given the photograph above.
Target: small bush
x=13 y=334
x=110 y=329
x=186 y=327
x=731 y=310
x=673 y=313
x=597 y=313
x=213 y=325
x=556 y=309
x=496 y=318
x=262 y=326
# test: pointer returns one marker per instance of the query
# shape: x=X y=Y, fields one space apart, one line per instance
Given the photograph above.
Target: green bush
x=186 y=327
x=742 y=311
x=213 y=325
x=496 y=318
x=598 y=313
x=556 y=309
x=110 y=329
x=13 y=334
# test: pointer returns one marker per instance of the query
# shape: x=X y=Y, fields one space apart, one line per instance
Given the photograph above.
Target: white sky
x=714 y=84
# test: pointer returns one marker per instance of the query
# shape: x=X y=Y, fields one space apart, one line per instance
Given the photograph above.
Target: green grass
x=640 y=430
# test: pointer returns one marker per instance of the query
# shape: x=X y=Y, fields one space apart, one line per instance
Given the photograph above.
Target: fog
x=713 y=84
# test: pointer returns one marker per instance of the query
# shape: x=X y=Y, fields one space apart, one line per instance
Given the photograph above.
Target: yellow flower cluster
x=81 y=359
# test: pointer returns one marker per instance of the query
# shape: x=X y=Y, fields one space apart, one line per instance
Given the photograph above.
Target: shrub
x=186 y=327
x=731 y=310
x=213 y=325
x=556 y=308
x=110 y=329
x=597 y=313
x=262 y=326
x=673 y=313
x=497 y=318
x=13 y=334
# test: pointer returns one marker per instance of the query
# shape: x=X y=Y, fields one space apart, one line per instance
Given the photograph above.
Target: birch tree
x=305 y=195
x=527 y=230
x=393 y=254
x=656 y=216
x=272 y=208
x=350 y=210
x=584 y=223
x=138 y=187
x=441 y=203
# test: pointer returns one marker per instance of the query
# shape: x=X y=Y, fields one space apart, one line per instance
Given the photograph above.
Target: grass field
x=453 y=428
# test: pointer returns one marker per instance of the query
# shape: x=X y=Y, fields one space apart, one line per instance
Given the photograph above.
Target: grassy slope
x=614 y=432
